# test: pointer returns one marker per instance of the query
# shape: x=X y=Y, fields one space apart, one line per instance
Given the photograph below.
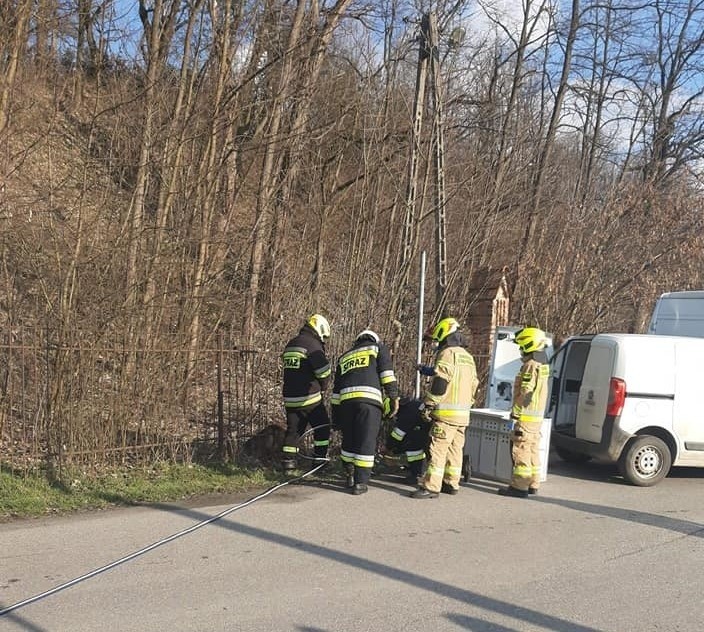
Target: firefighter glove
x=426 y=370
x=394 y=407
x=425 y=412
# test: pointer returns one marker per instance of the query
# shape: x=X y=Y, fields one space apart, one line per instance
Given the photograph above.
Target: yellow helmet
x=531 y=339
x=321 y=326
x=444 y=328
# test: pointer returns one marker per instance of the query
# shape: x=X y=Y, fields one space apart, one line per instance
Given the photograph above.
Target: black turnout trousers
x=297 y=420
x=360 y=423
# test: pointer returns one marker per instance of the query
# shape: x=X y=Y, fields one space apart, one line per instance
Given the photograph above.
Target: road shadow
x=599 y=472
x=696 y=473
x=483 y=485
x=590 y=471
x=394 y=483
x=477 y=625
x=463 y=622
x=24 y=624
x=446 y=591
x=677 y=525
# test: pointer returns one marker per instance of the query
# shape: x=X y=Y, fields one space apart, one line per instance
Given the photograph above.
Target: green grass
x=24 y=495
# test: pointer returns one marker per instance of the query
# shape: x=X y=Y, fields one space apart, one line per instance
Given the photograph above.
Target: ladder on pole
x=409 y=225
x=439 y=140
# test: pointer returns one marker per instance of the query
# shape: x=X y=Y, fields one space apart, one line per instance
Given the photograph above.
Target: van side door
x=594 y=391
x=688 y=420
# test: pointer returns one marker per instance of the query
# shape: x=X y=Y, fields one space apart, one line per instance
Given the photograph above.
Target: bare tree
x=14 y=24
x=309 y=65
x=666 y=71
x=159 y=23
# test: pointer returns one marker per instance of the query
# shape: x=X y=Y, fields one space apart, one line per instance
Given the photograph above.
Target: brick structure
x=488 y=310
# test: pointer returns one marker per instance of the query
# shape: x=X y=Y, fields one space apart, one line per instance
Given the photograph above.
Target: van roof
x=684 y=294
x=654 y=338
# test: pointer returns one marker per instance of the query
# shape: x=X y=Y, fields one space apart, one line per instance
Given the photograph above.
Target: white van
x=678 y=314
x=629 y=399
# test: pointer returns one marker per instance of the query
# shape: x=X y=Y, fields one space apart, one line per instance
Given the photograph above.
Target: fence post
x=221 y=415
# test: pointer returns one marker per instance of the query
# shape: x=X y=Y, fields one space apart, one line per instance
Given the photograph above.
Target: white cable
x=146 y=549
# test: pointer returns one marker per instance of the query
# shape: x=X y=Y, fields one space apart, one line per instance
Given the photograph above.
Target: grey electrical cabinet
x=488 y=444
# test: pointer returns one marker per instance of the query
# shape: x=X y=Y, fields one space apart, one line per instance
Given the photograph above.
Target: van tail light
x=617 y=397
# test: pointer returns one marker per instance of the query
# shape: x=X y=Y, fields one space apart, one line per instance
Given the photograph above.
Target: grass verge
x=30 y=495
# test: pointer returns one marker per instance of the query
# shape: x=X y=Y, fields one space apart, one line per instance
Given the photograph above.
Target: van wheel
x=571 y=457
x=645 y=461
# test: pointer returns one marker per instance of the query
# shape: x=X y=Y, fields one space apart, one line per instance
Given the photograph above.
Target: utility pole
x=428 y=65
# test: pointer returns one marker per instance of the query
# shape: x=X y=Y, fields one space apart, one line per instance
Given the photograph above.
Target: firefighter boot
x=512 y=491
x=449 y=489
x=288 y=464
x=349 y=474
x=416 y=471
x=421 y=492
x=320 y=454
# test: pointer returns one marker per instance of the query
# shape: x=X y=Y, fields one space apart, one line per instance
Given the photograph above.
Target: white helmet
x=321 y=326
x=368 y=333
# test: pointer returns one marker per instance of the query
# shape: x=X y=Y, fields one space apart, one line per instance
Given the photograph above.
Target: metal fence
x=65 y=400
x=72 y=401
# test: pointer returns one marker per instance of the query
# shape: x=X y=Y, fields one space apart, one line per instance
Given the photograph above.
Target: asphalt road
x=589 y=554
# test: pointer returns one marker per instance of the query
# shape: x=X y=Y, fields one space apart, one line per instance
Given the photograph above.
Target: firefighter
x=307 y=374
x=530 y=393
x=409 y=435
x=447 y=404
x=364 y=375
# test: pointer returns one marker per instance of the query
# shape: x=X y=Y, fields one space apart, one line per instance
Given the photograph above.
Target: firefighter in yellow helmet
x=530 y=393
x=307 y=373
x=447 y=404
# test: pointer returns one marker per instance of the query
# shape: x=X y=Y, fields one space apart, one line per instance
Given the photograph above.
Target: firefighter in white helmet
x=307 y=374
x=364 y=376
x=447 y=404
x=530 y=393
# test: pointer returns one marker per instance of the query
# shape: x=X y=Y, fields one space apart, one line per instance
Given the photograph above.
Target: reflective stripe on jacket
x=365 y=373
x=530 y=392
x=306 y=369
x=454 y=365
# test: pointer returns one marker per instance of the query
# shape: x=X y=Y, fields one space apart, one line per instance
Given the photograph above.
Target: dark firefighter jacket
x=306 y=369
x=410 y=430
x=364 y=374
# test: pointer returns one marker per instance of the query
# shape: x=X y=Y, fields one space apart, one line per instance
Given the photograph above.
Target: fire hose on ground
x=318 y=464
